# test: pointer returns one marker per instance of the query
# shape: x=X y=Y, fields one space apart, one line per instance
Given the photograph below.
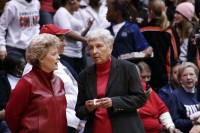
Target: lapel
x=112 y=75
x=91 y=80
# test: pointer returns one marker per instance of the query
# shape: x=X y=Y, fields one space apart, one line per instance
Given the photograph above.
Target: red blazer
x=37 y=104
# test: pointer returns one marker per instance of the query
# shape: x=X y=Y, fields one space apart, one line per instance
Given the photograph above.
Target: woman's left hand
x=104 y=102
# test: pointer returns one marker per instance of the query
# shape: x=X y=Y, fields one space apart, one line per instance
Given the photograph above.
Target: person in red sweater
x=154 y=114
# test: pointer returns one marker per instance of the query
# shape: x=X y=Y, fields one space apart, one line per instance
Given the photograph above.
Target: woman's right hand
x=91 y=105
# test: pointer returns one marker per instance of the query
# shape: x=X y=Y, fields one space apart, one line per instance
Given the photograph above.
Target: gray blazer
x=125 y=90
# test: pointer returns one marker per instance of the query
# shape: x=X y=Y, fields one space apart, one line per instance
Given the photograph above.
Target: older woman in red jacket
x=38 y=104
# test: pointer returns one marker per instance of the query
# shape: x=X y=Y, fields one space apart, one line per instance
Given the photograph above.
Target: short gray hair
x=39 y=46
x=101 y=34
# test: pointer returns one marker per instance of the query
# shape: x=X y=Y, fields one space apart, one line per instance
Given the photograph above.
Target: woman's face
x=178 y=18
x=145 y=76
x=99 y=51
x=75 y=6
x=50 y=62
x=188 y=78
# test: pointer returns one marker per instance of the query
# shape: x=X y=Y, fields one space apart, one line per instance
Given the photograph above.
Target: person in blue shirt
x=165 y=92
x=128 y=37
x=183 y=103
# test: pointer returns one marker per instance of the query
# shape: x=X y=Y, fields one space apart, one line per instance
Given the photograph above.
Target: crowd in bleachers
x=162 y=37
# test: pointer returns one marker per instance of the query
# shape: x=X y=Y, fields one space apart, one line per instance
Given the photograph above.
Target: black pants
x=16 y=50
x=71 y=130
x=77 y=64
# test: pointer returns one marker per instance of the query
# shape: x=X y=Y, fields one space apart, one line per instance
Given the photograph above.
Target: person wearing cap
x=183 y=27
x=63 y=72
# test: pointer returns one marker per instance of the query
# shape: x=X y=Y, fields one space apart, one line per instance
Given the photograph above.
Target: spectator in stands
x=170 y=9
x=128 y=37
x=182 y=102
x=96 y=11
x=184 y=28
x=47 y=11
x=33 y=104
x=160 y=37
x=165 y=92
x=13 y=65
x=73 y=42
x=139 y=13
x=154 y=114
x=18 y=25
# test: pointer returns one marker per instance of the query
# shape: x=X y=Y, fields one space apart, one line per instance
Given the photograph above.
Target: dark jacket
x=126 y=92
x=5 y=89
x=166 y=51
x=37 y=104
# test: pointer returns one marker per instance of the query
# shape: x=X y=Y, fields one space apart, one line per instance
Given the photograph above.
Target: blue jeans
x=4 y=128
x=46 y=18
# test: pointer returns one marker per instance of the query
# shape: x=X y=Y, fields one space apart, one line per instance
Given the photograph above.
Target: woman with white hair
x=38 y=104
x=110 y=91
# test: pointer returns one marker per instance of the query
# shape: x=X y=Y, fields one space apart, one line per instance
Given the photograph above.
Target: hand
x=2 y=114
x=148 y=93
x=91 y=105
x=79 y=128
x=104 y=102
x=148 y=51
x=174 y=130
x=195 y=129
x=2 y=54
x=90 y=22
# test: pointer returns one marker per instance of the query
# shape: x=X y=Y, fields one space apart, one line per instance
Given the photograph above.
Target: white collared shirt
x=117 y=27
x=12 y=80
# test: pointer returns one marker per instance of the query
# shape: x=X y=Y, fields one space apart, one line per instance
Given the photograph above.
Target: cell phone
x=148 y=85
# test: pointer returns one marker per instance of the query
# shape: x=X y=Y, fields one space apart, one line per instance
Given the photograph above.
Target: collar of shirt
x=117 y=27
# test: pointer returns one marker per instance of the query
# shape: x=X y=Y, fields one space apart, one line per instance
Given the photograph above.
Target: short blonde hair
x=185 y=65
x=39 y=46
